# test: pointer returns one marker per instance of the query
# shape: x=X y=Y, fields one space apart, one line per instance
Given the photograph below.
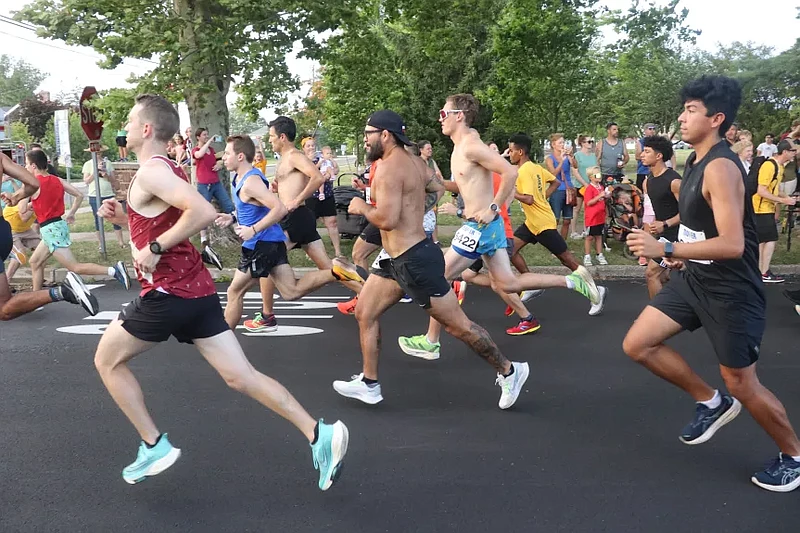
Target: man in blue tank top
x=258 y=214
x=719 y=289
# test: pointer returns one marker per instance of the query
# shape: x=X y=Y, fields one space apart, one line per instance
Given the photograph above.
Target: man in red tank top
x=179 y=299
x=48 y=206
x=71 y=290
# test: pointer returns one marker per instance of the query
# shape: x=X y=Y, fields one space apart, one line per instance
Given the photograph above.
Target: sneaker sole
x=773 y=280
x=729 y=415
x=777 y=488
x=586 y=276
x=339 y=442
x=157 y=467
x=428 y=356
x=344 y=274
x=265 y=329
x=369 y=400
x=126 y=279
x=603 y=296
x=532 y=330
x=525 y=369
x=531 y=294
x=88 y=301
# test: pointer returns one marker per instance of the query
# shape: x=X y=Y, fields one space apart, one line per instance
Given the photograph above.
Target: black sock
x=528 y=318
x=156 y=442
x=510 y=372
x=369 y=381
x=316 y=433
x=55 y=294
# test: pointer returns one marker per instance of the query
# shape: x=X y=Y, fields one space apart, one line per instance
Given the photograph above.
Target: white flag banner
x=62 y=137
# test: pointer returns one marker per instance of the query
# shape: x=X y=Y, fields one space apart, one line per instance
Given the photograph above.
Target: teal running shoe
x=151 y=461
x=329 y=451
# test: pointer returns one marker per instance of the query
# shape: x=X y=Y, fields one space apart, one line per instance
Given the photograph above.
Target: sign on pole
x=93 y=128
x=62 y=137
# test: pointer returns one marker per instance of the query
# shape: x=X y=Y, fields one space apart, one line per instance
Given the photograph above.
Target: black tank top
x=665 y=206
x=731 y=279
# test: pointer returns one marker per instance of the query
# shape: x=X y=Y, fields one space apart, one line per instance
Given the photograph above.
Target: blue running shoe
x=329 y=452
x=151 y=461
x=708 y=421
x=782 y=475
x=121 y=275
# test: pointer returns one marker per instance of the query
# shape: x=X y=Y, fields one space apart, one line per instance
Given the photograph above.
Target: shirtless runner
x=410 y=264
x=482 y=234
x=179 y=299
x=296 y=179
x=71 y=290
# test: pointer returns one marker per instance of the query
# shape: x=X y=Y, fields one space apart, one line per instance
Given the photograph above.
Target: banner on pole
x=62 y=137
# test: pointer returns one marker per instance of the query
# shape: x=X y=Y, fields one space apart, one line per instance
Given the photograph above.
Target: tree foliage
x=36 y=114
x=18 y=80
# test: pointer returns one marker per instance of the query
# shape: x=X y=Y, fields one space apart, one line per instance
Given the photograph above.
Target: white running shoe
x=357 y=389
x=597 y=308
x=602 y=259
x=587 y=260
x=529 y=295
x=512 y=385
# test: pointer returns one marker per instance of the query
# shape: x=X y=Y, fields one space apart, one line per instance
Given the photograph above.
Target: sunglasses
x=370 y=132
x=443 y=113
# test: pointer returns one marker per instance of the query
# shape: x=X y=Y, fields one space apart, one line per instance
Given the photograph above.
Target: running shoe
x=597 y=308
x=707 y=421
x=512 y=385
x=781 y=475
x=524 y=327
x=601 y=259
x=509 y=310
x=261 y=323
x=121 y=275
x=19 y=255
x=769 y=277
x=419 y=346
x=460 y=289
x=587 y=260
x=348 y=307
x=74 y=291
x=344 y=270
x=529 y=295
x=329 y=451
x=406 y=299
x=797 y=309
x=583 y=283
x=151 y=461
x=357 y=389
x=210 y=257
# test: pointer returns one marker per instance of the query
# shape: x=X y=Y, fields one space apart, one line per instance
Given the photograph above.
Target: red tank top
x=372 y=167
x=180 y=271
x=50 y=202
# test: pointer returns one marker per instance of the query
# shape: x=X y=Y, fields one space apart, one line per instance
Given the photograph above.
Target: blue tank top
x=565 y=176
x=250 y=214
x=641 y=169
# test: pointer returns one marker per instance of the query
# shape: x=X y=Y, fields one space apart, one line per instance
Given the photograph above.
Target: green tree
x=243 y=122
x=19 y=133
x=18 y=80
x=35 y=114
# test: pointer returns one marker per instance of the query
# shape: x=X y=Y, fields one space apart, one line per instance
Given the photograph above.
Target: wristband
x=234 y=219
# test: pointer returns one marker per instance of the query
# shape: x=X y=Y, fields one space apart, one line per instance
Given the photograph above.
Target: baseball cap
x=650 y=125
x=391 y=122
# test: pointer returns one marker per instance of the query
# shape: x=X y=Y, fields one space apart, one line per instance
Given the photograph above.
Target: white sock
x=714 y=402
x=429 y=340
x=570 y=283
x=111 y=271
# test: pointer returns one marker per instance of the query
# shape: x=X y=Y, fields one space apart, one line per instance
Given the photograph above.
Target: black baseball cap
x=391 y=122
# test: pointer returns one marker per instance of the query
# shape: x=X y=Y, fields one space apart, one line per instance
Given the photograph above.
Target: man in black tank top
x=662 y=186
x=719 y=289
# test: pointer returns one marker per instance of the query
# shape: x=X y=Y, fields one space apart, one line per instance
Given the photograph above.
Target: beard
x=375 y=150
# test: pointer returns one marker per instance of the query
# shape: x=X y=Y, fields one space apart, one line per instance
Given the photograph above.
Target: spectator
x=612 y=155
x=206 y=167
x=732 y=135
x=641 y=169
x=122 y=143
x=792 y=169
x=105 y=172
x=764 y=201
x=595 y=197
x=260 y=162
x=559 y=164
x=584 y=158
x=744 y=150
x=768 y=147
x=429 y=222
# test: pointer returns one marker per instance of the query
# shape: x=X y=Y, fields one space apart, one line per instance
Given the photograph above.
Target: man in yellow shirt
x=770 y=175
x=23 y=236
x=534 y=185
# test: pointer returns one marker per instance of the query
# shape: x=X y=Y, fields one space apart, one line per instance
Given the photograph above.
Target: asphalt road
x=590 y=446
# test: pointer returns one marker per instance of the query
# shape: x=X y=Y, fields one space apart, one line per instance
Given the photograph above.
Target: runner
x=720 y=288
x=296 y=179
x=179 y=299
x=72 y=290
x=48 y=205
x=258 y=213
x=482 y=234
x=24 y=237
x=412 y=264
x=662 y=185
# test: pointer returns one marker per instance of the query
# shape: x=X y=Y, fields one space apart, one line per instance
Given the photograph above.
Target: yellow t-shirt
x=765 y=178
x=11 y=214
x=534 y=180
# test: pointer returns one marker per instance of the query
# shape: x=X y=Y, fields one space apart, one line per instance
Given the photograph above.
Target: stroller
x=350 y=226
x=624 y=208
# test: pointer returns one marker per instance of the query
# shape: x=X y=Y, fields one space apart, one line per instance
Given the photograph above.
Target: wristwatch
x=668 y=248
x=156 y=248
x=494 y=208
x=460 y=213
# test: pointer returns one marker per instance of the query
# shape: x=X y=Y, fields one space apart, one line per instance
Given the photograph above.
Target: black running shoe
x=74 y=291
x=210 y=257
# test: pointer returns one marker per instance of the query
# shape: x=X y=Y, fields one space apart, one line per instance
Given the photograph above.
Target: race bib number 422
x=466 y=238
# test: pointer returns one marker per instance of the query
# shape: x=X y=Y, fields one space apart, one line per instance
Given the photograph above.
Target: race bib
x=368 y=195
x=686 y=234
x=382 y=256
x=466 y=238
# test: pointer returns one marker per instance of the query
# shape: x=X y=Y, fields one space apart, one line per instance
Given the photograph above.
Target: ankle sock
x=510 y=372
x=155 y=443
x=570 y=283
x=369 y=381
x=714 y=402
x=55 y=294
x=316 y=433
x=112 y=271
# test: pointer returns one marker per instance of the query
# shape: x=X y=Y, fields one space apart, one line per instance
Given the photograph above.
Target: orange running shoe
x=349 y=307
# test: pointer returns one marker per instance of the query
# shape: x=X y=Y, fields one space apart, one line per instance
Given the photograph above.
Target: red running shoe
x=524 y=327
x=349 y=307
x=460 y=288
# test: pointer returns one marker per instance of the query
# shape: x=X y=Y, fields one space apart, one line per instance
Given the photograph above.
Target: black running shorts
x=734 y=325
x=766 y=227
x=549 y=238
x=6 y=242
x=372 y=235
x=324 y=208
x=155 y=316
x=301 y=226
x=260 y=261
x=420 y=272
